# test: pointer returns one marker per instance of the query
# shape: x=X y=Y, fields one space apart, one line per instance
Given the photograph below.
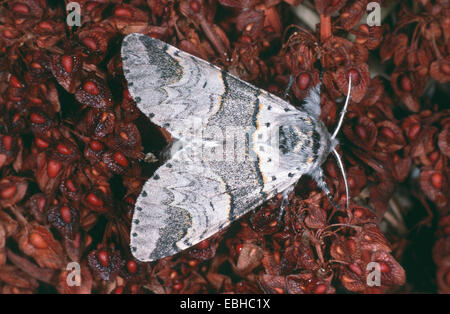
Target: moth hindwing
x=238 y=146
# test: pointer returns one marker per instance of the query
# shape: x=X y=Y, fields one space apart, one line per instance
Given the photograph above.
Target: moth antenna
x=341 y=167
x=344 y=110
x=284 y=203
x=288 y=88
x=321 y=183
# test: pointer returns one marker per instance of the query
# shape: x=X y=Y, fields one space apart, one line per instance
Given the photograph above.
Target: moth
x=235 y=146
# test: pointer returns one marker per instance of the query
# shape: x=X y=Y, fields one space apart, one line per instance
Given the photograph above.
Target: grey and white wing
x=174 y=89
x=187 y=201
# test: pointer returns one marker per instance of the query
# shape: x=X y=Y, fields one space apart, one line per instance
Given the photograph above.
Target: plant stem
x=325 y=27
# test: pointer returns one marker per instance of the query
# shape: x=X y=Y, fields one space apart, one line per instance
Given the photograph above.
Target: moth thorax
x=304 y=143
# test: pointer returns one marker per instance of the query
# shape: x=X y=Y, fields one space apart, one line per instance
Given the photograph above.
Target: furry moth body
x=189 y=199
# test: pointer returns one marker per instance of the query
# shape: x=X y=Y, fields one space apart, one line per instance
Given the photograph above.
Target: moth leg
x=288 y=88
x=320 y=180
x=284 y=203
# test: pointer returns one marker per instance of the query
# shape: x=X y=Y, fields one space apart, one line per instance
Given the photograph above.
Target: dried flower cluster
x=73 y=143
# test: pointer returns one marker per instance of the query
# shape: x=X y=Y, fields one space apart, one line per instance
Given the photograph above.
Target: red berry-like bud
x=246 y=39
x=118 y=290
x=21 y=9
x=132 y=267
x=414 y=130
x=8 y=34
x=7 y=142
x=123 y=12
x=351 y=182
x=96 y=145
x=63 y=149
x=90 y=43
x=355 y=76
x=445 y=67
x=91 y=88
x=178 y=286
x=434 y=156
x=8 y=192
x=53 y=168
x=41 y=143
x=94 y=200
x=36 y=118
x=121 y=159
x=384 y=268
x=46 y=26
x=361 y=131
x=67 y=63
x=388 y=133
x=36 y=65
x=203 y=245
x=406 y=83
x=193 y=262
x=37 y=241
x=102 y=257
x=303 y=81
x=437 y=180
x=70 y=186
x=351 y=244
x=15 y=82
x=358 y=213
x=194 y=5
x=66 y=216
x=320 y=289
x=356 y=269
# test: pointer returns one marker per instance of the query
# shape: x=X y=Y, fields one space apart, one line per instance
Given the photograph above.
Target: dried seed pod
x=440 y=70
x=30 y=8
x=128 y=19
x=38 y=242
x=41 y=124
x=272 y=284
x=353 y=14
x=126 y=139
x=392 y=274
x=435 y=186
x=97 y=123
x=363 y=133
x=265 y=220
x=304 y=81
x=250 y=22
x=38 y=204
x=66 y=68
x=49 y=32
x=38 y=67
x=94 y=92
x=71 y=190
x=12 y=190
x=105 y=263
x=360 y=80
x=408 y=86
x=98 y=199
x=205 y=250
x=369 y=36
x=390 y=137
x=9 y=147
x=95 y=41
x=65 y=219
